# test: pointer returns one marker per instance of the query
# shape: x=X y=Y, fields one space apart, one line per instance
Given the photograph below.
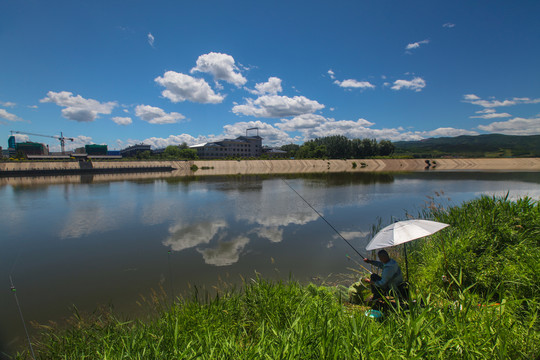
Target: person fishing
x=391 y=279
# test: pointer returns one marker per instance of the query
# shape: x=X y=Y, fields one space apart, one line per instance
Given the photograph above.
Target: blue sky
x=167 y=72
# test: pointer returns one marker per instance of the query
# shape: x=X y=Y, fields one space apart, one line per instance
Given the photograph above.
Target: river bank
x=232 y=167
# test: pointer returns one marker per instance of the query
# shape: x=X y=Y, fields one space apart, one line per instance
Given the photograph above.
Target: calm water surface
x=95 y=243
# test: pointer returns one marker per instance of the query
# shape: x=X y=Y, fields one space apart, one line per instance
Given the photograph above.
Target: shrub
x=492 y=241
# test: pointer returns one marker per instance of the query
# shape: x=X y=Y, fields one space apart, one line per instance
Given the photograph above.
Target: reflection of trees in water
x=345 y=178
x=223 y=182
x=247 y=182
x=254 y=182
x=533 y=177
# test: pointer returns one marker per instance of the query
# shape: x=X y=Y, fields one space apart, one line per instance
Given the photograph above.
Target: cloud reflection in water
x=192 y=235
x=225 y=253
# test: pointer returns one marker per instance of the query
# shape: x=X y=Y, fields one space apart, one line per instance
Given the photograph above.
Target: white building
x=242 y=146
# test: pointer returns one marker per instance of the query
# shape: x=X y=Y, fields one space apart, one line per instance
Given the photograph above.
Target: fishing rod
x=326 y=221
x=14 y=291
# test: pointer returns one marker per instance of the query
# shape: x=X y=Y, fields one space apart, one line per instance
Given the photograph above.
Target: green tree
x=171 y=152
x=189 y=154
x=385 y=148
x=337 y=146
x=369 y=147
x=144 y=155
x=311 y=149
x=291 y=149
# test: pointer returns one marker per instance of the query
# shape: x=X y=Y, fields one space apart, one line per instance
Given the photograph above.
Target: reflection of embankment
x=78 y=179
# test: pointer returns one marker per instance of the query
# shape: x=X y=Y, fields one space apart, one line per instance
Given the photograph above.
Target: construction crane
x=61 y=137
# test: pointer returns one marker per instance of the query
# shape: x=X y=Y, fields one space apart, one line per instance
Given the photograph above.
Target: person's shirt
x=391 y=275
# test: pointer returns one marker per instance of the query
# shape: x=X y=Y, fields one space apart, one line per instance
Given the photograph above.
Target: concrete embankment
x=51 y=168
x=232 y=167
x=359 y=165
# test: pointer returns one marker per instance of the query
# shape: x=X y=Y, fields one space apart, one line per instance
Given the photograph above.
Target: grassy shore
x=477 y=284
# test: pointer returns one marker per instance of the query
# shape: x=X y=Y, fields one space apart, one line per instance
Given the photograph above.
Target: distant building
x=134 y=150
x=274 y=153
x=32 y=148
x=95 y=149
x=158 y=151
x=242 y=146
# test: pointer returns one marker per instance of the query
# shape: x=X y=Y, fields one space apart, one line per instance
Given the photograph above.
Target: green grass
x=493 y=242
x=487 y=308
x=290 y=321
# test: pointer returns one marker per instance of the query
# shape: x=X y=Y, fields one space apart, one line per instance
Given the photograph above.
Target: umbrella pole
x=406 y=262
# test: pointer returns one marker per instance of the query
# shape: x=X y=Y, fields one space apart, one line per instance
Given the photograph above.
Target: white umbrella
x=404 y=231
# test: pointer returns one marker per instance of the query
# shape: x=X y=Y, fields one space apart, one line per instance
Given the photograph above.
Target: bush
x=492 y=241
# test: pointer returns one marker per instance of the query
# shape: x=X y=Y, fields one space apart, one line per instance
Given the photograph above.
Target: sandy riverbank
x=362 y=165
x=253 y=167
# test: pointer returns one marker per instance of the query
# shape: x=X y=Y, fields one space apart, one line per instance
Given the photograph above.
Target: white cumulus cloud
x=515 y=126
x=490 y=114
x=271 y=135
x=274 y=106
x=9 y=116
x=446 y=132
x=155 y=115
x=122 y=120
x=221 y=66
x=416 y=45
x=78 y=108
x=305 y=121
x=151 y=39
x=272 y=87
x=449 y=25
x=475 y=100
x=180 y=87
x=351 y=83
x=7 y=103
x=158 y=143
x=416 y=84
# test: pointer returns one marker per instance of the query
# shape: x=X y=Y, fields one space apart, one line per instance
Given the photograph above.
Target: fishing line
x=322 y=217
x=171 y=280
x=357 y=263
x=14 y=291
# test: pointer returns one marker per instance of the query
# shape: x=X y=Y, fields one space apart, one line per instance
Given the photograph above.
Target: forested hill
x=491 y=145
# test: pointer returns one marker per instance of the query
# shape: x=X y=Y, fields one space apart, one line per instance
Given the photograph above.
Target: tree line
x=339 y=147
x=171 y=152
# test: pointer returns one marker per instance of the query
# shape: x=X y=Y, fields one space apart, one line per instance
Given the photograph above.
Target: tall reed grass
x=492 y=241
